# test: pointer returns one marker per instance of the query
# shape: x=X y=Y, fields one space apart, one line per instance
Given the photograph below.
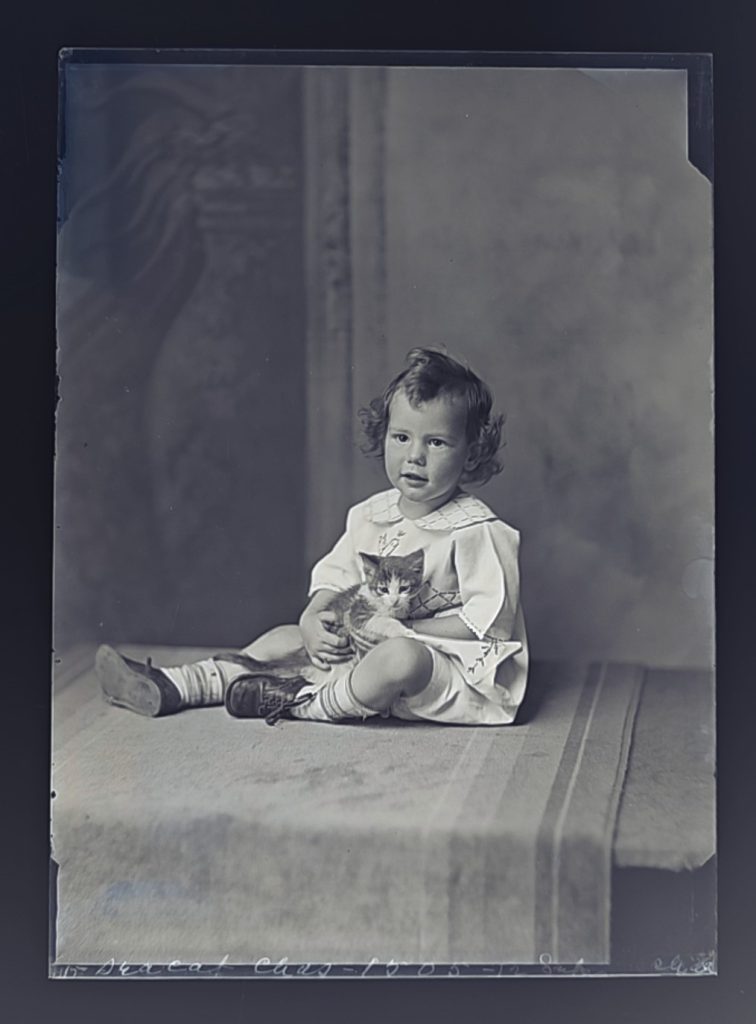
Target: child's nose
x=417 y=453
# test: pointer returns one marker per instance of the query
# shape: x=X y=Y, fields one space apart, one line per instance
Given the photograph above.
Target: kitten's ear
x=369 y=564
x=416 y=562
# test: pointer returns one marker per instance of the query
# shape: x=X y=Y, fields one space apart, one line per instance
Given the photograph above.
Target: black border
x=700 y=152
x=698 y=67
x=34 y=35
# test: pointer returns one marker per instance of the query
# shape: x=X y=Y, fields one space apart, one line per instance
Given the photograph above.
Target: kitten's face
x=392 y=581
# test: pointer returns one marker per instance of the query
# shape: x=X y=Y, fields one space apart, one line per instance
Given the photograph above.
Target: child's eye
x=436 y=442
x=401 y=438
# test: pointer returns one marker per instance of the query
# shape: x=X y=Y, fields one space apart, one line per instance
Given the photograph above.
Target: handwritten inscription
x=265 y=967
x=124 y=969
x=282 y=968
x=701 y=963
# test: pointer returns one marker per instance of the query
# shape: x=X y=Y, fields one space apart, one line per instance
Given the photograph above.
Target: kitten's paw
x=384 y=627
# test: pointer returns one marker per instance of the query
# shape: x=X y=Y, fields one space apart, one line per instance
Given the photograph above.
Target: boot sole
x=125 y=688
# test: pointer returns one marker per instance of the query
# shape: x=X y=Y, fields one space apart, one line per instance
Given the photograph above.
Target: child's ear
x=369 y=564
x=473 y=456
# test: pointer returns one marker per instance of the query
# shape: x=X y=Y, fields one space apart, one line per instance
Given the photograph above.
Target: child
x=460 y=657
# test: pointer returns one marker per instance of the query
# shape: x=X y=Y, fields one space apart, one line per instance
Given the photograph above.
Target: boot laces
x=281 y=707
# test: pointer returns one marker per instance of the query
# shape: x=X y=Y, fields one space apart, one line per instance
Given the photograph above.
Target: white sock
x=203 y=683
x=332 y=702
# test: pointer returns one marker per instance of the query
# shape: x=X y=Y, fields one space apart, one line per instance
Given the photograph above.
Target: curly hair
x=432 y=374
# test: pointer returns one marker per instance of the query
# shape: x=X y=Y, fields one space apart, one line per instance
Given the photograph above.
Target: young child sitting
x=450 y=643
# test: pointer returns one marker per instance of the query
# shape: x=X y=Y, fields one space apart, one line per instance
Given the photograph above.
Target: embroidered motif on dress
x=387 y=546
x=489 y=644
x=429 y=599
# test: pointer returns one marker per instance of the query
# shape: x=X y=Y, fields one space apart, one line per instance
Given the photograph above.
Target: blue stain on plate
x=120 y=894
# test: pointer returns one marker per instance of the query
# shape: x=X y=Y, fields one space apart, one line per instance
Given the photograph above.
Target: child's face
x=425 y=451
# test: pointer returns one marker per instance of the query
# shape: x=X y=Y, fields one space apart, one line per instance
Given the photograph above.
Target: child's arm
x=324 y=647
x=319 y=601
x=449 y=626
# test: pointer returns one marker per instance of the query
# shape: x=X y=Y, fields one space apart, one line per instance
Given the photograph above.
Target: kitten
x=366 y=613
x=391 y=581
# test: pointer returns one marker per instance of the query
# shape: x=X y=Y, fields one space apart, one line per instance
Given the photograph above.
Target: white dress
x=472 y=571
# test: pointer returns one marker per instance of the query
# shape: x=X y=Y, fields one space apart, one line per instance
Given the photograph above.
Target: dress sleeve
x=338 y=569
x=486 y=563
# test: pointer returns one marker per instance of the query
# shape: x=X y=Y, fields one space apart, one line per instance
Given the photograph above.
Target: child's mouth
x=413 y=478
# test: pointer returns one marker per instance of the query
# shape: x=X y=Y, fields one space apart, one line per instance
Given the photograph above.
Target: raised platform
x=200 y=837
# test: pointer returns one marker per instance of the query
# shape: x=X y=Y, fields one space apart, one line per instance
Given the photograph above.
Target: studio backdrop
x=248 y=252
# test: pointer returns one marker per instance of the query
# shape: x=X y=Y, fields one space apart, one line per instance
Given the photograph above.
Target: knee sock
x=203 y=683
x=332 y=702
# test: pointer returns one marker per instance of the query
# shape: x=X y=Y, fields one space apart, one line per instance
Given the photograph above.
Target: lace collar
x=464 y=510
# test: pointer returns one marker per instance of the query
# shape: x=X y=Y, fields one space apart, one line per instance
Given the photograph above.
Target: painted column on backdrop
x=345 y=260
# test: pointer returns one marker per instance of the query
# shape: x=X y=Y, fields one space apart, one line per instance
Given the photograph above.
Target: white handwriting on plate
x=700 y=963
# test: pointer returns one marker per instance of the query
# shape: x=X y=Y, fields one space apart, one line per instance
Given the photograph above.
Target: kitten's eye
x=382 y=588
x=403 y=588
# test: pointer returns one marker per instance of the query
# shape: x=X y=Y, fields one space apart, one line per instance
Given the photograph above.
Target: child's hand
x=323 y=645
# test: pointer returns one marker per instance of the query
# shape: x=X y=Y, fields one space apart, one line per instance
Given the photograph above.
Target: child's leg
x=276 y=643
x=153 y=691
x=399 y=667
